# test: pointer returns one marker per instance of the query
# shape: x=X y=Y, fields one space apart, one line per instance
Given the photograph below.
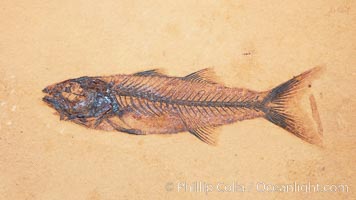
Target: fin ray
x=152 y=72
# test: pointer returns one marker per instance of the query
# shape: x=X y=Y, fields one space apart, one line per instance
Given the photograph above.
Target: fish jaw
x=56 y=104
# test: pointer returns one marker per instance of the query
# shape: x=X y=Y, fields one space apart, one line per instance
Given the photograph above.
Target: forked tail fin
x=283 y=107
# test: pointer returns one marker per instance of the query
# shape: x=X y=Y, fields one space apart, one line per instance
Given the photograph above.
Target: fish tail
x=282 y=106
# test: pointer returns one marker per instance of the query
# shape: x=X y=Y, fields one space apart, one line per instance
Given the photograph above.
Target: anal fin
x=205 y=134
x=201 y=129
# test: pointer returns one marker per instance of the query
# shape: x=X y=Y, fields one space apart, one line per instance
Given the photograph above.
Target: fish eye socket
x=76 y=88
x=71 y=96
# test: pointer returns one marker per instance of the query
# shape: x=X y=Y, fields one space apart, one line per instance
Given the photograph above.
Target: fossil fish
x=151 y=102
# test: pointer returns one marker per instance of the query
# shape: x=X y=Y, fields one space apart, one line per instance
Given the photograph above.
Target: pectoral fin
x=118 y=127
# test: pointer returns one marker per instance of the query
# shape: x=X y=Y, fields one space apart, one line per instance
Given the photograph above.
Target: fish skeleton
x=151 y=102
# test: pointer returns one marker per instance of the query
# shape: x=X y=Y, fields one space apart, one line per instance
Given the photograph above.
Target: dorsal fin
x=206 y=75
x=152 y=72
